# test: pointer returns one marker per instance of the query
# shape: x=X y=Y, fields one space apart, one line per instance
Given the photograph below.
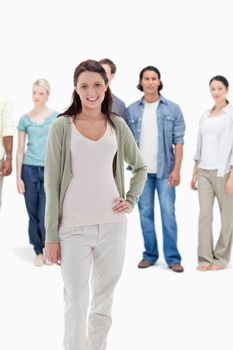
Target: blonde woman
x=213 y=170
x=33 y=127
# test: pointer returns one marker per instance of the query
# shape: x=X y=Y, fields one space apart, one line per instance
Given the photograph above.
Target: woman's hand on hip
x=53 y=252
x=121 y=206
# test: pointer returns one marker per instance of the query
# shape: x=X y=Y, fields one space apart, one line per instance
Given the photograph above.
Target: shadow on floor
x=24 y=253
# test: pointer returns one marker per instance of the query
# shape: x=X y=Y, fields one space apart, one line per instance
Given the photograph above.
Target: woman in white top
x=86 y=205
x=213 y=170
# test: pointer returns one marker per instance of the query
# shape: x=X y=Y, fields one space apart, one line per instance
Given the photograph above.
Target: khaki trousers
x=96 y=250
x=1 y=182
x=209 y=187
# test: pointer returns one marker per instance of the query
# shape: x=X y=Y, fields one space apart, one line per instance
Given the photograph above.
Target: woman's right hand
x=194 y=183
x=20 y=186
x=53 y=252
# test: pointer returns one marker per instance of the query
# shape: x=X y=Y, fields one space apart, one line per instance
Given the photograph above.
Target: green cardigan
x=58 y=169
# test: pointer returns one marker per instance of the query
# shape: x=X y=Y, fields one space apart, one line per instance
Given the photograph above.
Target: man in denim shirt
x=158 y=127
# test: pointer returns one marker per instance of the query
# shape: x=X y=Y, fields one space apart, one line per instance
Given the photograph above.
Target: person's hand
x=6 y=167
x=53 y=252
x=20 y=186
x=229 y=185
x=121 y=206
x=174 y=178
x=194 y=183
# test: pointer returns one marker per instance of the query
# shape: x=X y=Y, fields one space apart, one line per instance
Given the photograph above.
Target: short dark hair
x=151 y=68
x=220 y=78
x=110 y=63
x=76 y=105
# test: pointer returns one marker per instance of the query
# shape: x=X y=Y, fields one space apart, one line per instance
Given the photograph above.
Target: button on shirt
x=149 y=136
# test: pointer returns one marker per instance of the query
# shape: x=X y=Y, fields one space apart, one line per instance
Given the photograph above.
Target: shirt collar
x=227 y=108
x=161 y=100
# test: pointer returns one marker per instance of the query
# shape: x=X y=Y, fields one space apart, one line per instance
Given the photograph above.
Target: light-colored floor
x=153 y=308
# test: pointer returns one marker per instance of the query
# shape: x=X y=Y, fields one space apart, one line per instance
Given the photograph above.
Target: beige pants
x=209 y=187
x=96 y=250
x=1 y=182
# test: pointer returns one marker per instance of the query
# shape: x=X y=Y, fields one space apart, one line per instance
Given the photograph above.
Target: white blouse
x=225 y=143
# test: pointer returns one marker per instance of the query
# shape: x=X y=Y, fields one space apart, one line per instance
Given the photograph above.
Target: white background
x=189 y=41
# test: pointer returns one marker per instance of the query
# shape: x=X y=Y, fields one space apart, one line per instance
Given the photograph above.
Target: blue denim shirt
x=171 y=128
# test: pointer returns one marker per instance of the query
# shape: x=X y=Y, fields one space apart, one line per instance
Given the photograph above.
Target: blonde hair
x=44 y=84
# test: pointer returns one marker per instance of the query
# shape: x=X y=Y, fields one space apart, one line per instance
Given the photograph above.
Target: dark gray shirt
x=118 y=106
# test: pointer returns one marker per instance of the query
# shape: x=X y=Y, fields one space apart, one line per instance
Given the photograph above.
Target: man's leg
x=166 y=196
x=146 y=210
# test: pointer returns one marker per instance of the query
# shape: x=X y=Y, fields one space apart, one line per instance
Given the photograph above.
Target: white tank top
x=90 y=195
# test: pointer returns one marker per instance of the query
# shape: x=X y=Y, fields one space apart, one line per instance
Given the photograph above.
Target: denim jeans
x=33 y=177
x=166 y=196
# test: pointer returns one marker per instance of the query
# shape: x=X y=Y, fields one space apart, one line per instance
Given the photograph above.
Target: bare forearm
x=19 y=162
x=195 y=169
x=8 y=146
x=178 y=157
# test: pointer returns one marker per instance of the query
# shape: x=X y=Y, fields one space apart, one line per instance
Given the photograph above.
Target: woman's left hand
x=229 y=185
x=121 y=206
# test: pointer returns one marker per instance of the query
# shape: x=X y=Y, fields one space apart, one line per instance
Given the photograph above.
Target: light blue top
x=171 y=128
x=36 y=138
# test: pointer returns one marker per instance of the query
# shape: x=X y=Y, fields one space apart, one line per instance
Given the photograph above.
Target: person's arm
x=7 y=162
x=229 y=183
x=174 y=177
x=19 y=161
x=52 y=183
x=7 y=132
x=178 y=141
x=139 y=173
x=194 y=177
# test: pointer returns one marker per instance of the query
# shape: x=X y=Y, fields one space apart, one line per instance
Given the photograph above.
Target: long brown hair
x=76 y=105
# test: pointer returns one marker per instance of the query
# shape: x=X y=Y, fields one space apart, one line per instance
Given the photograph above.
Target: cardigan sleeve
x=52 y=181
x=133 y=157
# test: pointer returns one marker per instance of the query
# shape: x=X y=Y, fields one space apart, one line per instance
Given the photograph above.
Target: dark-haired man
x=158 y=127
x=118 y=106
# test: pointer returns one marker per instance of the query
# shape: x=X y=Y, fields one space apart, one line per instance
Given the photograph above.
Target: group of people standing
x=72 y=178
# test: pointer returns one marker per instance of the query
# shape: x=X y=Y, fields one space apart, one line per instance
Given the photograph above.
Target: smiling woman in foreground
x=86 y=204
